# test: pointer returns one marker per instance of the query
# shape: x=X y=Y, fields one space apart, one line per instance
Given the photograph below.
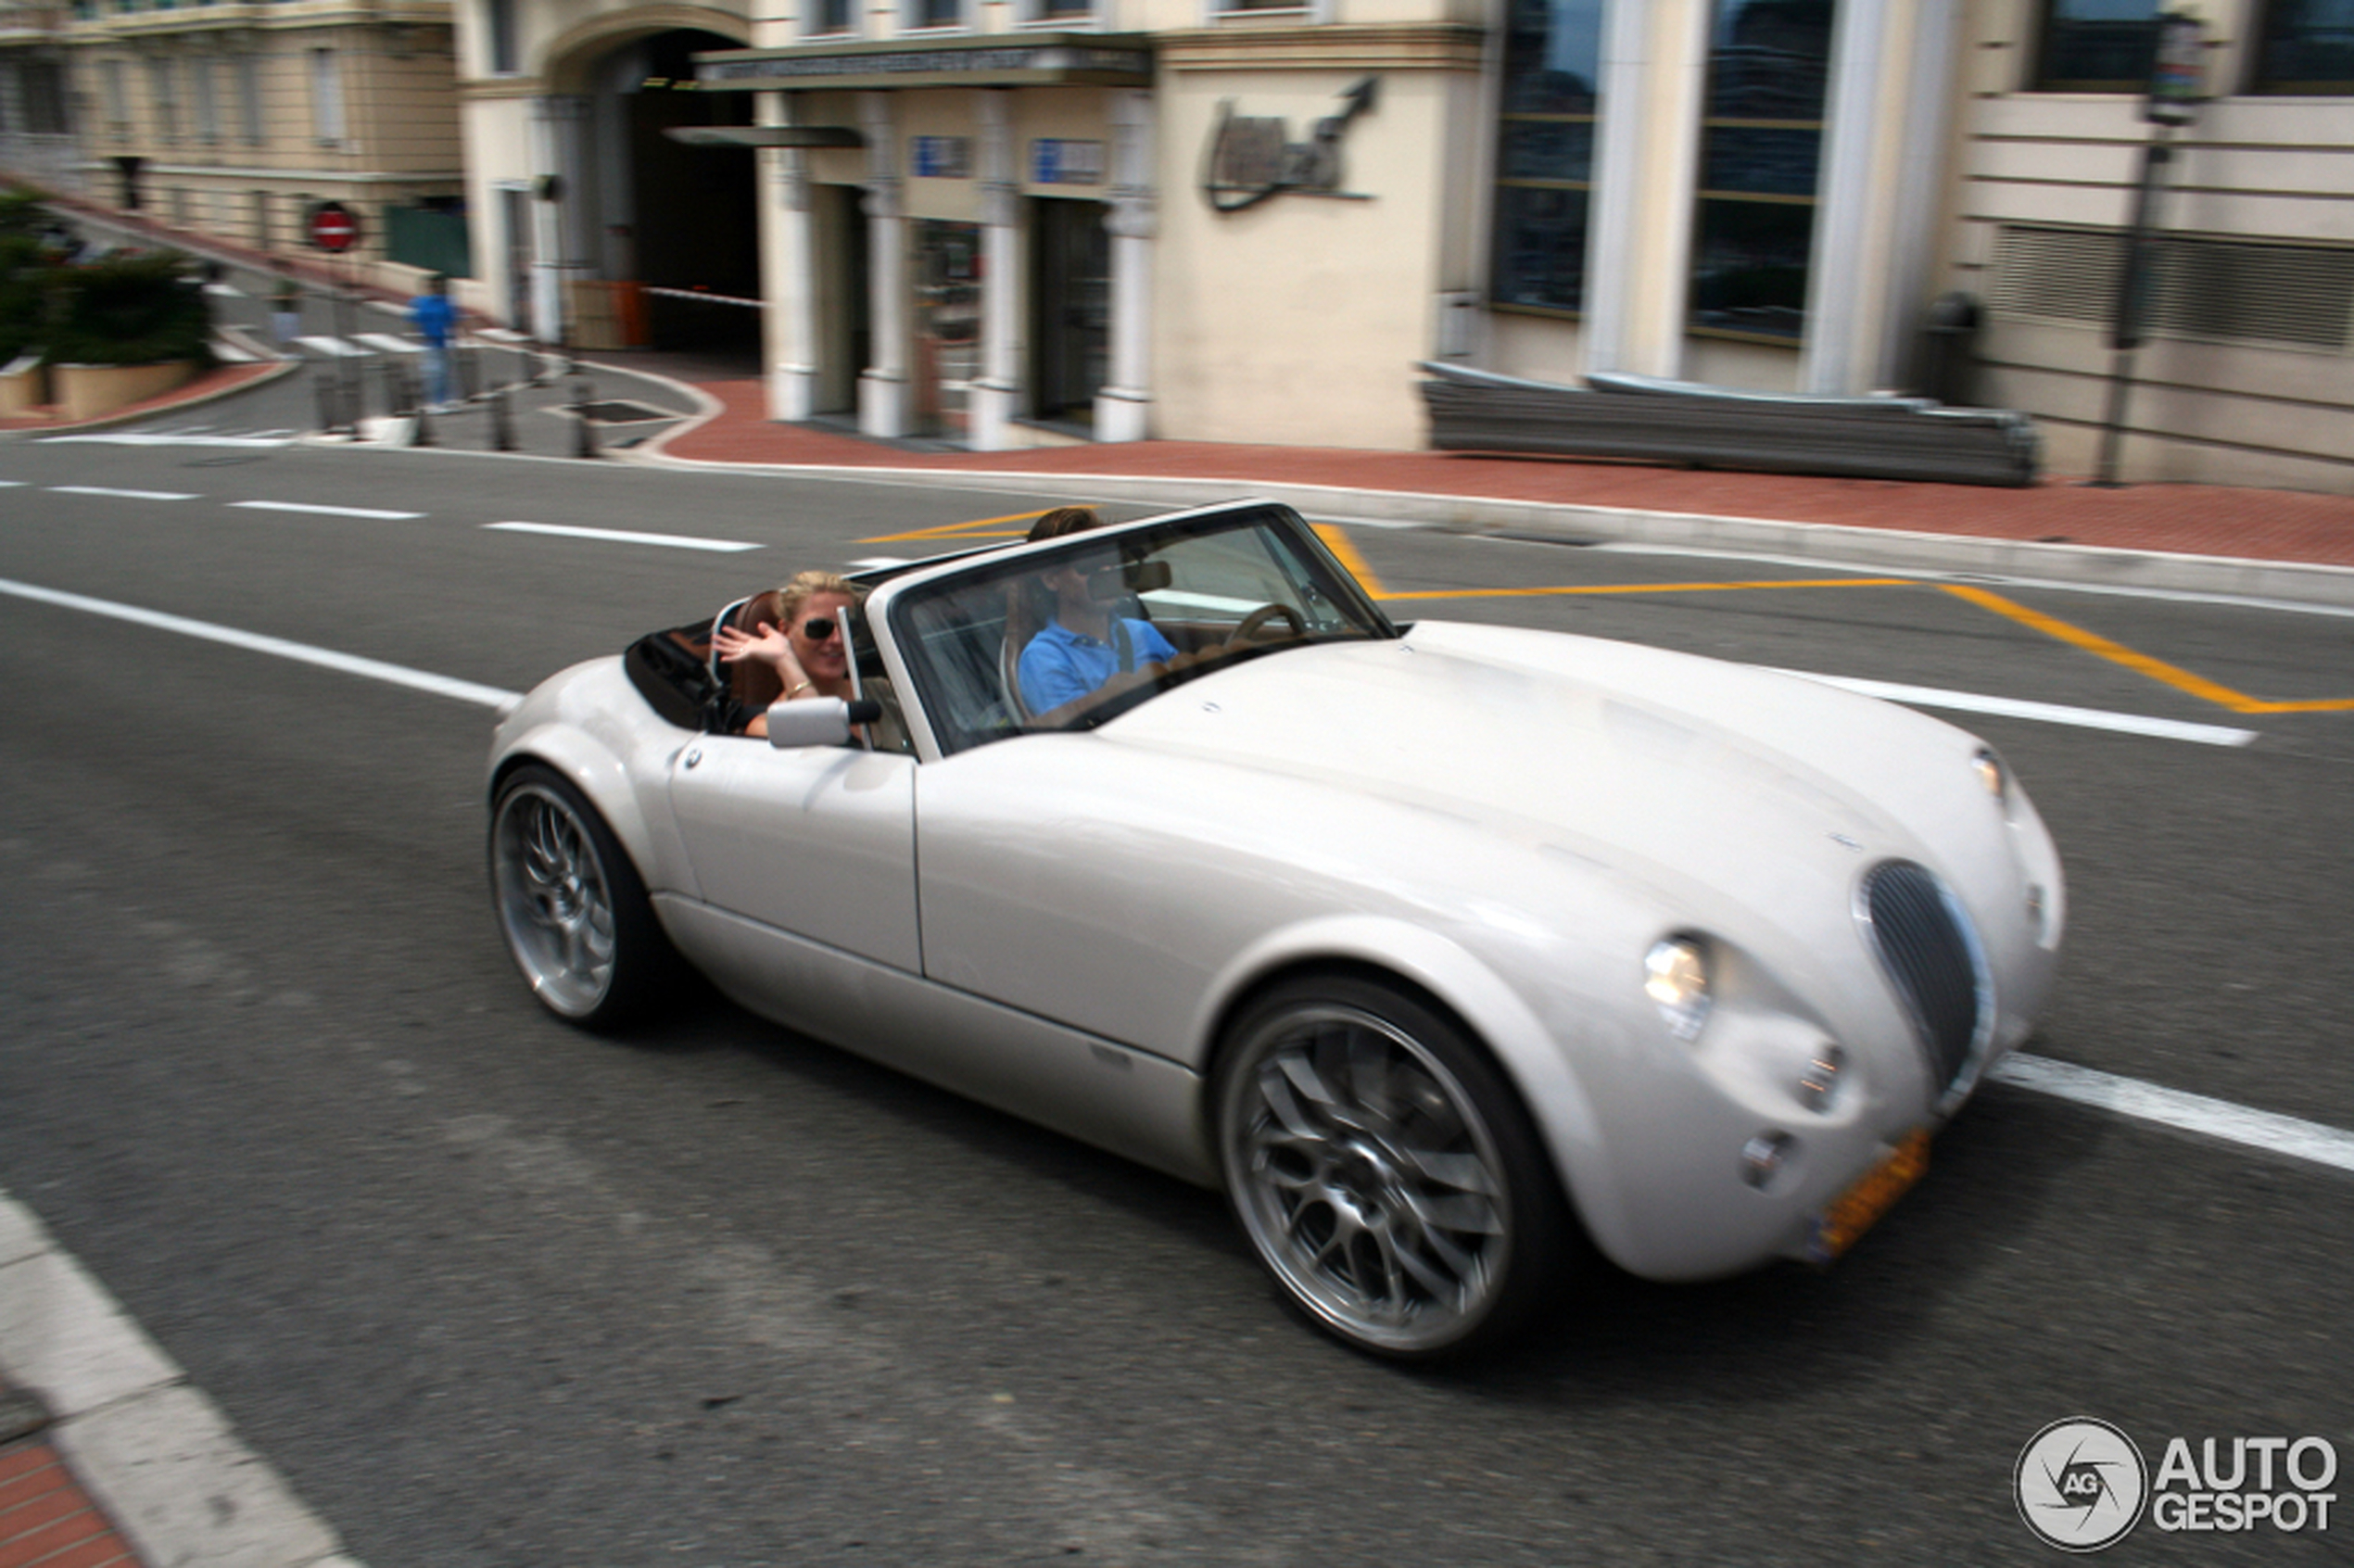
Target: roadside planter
x=23 y=387
x=87 y=391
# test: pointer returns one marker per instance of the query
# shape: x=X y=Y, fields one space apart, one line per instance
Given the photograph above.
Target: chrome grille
x=1923 y=945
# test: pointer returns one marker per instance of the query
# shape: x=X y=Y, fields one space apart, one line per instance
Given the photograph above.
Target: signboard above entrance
x=987 y=60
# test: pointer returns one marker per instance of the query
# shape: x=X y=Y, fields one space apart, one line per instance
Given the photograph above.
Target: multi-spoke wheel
x=571 y=906
x=1384 y=1171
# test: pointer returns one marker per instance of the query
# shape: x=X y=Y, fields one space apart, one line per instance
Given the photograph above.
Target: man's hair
x=1064 y=520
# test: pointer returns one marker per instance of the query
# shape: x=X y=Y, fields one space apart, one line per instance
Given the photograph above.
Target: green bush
x=24 y=292
x=129 y=310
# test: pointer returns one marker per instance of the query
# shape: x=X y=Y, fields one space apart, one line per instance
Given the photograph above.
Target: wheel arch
x=1462 y=988
x=597 y=774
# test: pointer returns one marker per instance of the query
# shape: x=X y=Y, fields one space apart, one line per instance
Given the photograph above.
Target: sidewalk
x=2193 y=537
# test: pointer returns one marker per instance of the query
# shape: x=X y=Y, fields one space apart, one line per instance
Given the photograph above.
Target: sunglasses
x=819 y=628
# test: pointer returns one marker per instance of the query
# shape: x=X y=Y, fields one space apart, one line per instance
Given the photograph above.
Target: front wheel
x=571 y=906
x=1384 y=1171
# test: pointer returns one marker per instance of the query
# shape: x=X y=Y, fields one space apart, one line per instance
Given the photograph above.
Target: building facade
x=238 y=118
x=1019 y=221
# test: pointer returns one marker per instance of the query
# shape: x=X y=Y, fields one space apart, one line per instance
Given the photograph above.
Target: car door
x=815 y=841
x=818 y=842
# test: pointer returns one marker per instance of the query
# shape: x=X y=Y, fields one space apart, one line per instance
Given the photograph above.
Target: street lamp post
x=2177 y=73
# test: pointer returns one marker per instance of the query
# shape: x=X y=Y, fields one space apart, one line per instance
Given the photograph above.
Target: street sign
x=333 y=226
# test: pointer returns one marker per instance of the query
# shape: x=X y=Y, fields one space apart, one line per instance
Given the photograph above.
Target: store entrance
x=1070 y=301
x=947 y=327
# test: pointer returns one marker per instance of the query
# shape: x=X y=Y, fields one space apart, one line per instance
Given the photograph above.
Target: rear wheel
x=1385 y=1171
x=571 y=906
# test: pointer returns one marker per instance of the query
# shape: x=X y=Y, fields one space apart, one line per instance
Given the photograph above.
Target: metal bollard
x=584 y=440
x=422 y=434
x=325 y=389
x=502 y=429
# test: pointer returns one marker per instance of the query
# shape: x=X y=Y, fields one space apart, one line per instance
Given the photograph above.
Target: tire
x=571 y=906
x=1386 y=1173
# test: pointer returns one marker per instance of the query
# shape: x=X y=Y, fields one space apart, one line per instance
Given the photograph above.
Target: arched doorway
x=671 y=231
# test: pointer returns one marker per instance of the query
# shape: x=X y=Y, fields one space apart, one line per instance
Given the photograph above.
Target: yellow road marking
x=963 y=530
x=2140 y=663
x=1345 y=551
x=1648 y=588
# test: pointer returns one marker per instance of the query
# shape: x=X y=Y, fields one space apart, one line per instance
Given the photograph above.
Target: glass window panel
x=1552 y=62
x=2306 y=47
x=1548 y=149
x=1749 y=270
x=1769 y=162
x=2098 y=46
x=1770 y=59
x=1541 y=247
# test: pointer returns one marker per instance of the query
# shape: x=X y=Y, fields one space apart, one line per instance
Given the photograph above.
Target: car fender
x=1493 y=1010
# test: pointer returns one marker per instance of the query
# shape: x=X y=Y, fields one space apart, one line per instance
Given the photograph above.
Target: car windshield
x=1068 y=636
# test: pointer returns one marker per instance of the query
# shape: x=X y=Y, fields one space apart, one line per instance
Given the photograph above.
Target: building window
x=326 y=97
x=1060 y=10
x=500 y=17
x=250 y=98
x=1761 y=143
x=117 y=103
x=825 y=17
x=935 y=13
x=2306 y=47
x=203 y=100
x=163 y=89
x=1545 y=152
x=2097 y=47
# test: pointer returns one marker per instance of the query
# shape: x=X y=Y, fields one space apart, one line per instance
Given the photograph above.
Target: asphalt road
x=490 y=1291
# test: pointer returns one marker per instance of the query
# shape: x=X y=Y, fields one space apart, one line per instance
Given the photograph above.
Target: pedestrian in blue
x=435 y=318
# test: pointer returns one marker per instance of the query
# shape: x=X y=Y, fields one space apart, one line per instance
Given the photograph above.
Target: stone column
x=883 y=387
x=557 y=122
x=994 y=396
x=1123 y=408
x=1844 y=277
x=789 y=327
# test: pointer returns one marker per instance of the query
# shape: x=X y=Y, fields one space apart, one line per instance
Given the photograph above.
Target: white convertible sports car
x=1445 y=950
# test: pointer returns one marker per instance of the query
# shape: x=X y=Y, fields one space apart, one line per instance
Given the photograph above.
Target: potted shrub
x=126 y=328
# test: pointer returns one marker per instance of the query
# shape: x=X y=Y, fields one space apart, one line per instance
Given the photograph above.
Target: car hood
x=1622 y=754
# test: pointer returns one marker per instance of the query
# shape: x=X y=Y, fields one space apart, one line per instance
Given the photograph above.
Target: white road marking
x=333 y=348
x=124 y=495
x=622 y=536
x=159 y=1457
x=2048 y=712
x=168 y=438
x=13 y=484
x=388 y=343
x=2173 y=1108
x=2128 y=1097
x=328 y=510
x=278 y=647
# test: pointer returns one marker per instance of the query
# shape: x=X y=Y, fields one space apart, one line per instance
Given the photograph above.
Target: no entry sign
x=333 y=226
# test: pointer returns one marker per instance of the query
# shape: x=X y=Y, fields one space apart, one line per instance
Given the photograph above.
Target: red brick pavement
x=2183 y=519
x=46 y=1520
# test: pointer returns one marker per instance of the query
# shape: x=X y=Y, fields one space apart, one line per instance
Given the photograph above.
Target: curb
x=160 y=1459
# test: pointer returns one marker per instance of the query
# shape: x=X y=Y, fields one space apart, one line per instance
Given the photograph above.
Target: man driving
x=1086 y=643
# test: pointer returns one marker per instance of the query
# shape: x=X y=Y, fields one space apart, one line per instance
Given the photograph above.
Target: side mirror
x=818 y=721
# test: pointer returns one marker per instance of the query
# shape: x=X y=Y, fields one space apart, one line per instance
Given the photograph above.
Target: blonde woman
x=802 y=647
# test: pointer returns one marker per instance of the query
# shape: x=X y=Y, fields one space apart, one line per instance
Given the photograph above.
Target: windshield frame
x=903 y=591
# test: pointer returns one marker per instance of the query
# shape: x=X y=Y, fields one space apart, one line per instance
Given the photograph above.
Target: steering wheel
x=1256 y=622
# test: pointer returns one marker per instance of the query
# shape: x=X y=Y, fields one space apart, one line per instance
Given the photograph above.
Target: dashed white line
x=2047 y=713
x=329 y=511
x=279 y=646
x=2176 y=1108
x=123 y=495
x=171 y=438
x=622 y=536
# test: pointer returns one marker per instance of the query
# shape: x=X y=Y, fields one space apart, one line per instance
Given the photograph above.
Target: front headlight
x=1675 y=978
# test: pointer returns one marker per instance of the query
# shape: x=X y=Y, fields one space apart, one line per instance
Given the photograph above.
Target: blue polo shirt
x=1061 y=665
